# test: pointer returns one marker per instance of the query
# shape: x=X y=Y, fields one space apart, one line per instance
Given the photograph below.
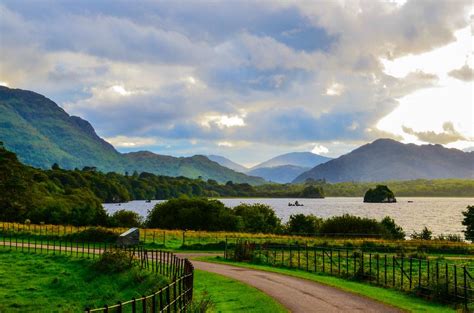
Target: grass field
x=48 y=283
x=203 y=240
x=228 y=295
x=392 y=297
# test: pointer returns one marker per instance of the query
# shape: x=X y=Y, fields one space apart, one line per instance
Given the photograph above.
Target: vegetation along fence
x=443 y=280
x=173 y=297
x=189 y=239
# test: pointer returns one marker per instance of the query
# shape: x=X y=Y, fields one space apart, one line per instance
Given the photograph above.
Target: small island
x=380 y=194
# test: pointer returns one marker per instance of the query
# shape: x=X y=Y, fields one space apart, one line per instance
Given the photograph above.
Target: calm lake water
x=441 y=215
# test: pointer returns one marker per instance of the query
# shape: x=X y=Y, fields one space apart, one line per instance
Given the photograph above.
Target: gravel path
x=296 y=294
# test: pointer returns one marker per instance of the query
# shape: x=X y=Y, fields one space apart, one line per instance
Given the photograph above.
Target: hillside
x=191 y=167
x=301 y=159
x=227 y=163
x=279 y=174
x=41 y=134
x=386 y=159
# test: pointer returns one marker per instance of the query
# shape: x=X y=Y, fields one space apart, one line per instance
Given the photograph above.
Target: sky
x=249 y=79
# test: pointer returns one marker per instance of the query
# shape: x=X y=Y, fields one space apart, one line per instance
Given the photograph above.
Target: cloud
x=448 y=135
x=131 y=142
x=224 y=72
x=464 y=73
x=320 y=149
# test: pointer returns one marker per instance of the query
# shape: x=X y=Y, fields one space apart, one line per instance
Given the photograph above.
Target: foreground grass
x=228 y=295
x=391 y=297
x=53 y=283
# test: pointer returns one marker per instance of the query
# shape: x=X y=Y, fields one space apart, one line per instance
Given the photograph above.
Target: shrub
x=114 y=261
x=449 y=237
x=95 y=234
x=354 y=225
x=393 y=230
x=192 y=213
x=124 y=218
x=306 y=224
x=257 y=218
x=425 y=234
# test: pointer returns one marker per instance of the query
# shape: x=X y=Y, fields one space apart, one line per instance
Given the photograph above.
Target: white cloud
x=225 y=144
x=131 y=142
x=320 y=149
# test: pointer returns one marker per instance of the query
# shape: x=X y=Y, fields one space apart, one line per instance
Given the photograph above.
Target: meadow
x=47 y=283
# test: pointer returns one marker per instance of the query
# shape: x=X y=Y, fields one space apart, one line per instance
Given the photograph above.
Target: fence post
x=447 y=278
x=465 y=287
x=411 y=269
x=134 y=305
x=119 y=308
x=419 y=273
x=455 y=281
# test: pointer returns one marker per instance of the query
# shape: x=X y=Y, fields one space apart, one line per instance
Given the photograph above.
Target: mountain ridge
x=387 y=159
x=301 y=159
x=42 y=133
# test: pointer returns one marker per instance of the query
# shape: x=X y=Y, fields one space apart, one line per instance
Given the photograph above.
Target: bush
x=94 y=234
x=354 y=225
x=393 y=230
x=124 y=218
x=449 y=237
x=303 y=224
x=192 y=213
x=257 y=218
x=114 y=261
x=425 y=234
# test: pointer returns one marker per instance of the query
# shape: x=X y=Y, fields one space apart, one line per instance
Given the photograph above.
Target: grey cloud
x=464 y=73
x=447 y=136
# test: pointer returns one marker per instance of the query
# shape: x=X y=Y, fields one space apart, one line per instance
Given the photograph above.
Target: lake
x=441 y=215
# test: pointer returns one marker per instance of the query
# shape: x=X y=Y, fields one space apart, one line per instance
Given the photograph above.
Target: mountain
x=301 y=159
x=192 y=167
x=227 y=163
x=279 y=174
x=41 y=134
x=386 y=159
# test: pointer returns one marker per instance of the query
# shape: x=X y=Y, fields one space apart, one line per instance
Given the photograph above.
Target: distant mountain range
x=300 y=159
x=386 y=159
x=279 y=174
x=227 y=163
x=41 y=134
x=280 y=169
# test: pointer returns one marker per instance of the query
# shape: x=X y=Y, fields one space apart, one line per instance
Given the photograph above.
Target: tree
x=380 y=194
x=257 y=218
x=192 y=213
x=394 y=231
x=124 y=218
x=469 y=222
x=425 y=234
x=311 y=191
x=306 y=224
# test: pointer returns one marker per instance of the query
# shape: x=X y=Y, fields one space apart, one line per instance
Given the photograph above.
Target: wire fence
x=195 y=239
x=173 y=297
x=436 y=279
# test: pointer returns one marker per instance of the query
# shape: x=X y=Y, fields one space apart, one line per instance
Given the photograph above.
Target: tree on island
x=312 y=192
x=380 y=194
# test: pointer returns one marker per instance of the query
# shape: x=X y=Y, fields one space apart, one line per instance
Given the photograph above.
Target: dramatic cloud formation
x=247 y=79
x=449 y=135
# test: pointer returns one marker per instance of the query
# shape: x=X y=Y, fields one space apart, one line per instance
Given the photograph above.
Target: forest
x=75 y=196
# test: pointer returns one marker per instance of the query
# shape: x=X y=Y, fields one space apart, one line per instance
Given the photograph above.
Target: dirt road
x=298 y=295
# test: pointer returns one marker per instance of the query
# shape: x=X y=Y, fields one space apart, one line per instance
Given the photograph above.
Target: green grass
x=391 y=297
x=54 y=283
x=228 y=295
